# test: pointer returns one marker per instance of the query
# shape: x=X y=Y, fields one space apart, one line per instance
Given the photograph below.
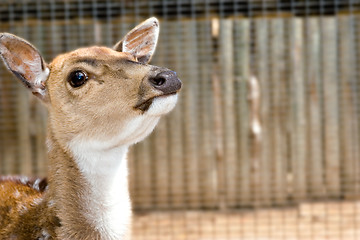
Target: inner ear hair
x=141 y=41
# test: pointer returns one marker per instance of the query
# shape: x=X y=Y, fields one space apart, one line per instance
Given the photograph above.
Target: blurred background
x=265 y=141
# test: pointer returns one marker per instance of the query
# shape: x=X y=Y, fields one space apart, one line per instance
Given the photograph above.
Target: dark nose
x=167 y=82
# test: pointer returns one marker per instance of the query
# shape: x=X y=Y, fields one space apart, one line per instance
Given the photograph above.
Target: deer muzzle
x=167 y=82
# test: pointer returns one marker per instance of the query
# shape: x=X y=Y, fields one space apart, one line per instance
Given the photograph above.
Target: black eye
x=77 y=78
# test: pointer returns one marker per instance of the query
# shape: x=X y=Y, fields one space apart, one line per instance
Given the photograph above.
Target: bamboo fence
x=268 y=115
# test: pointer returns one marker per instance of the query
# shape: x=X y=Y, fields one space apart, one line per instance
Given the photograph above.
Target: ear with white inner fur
x=141 y=41
x=25 y=62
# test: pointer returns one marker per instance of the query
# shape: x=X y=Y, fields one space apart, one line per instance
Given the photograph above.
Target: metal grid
x=264 y=143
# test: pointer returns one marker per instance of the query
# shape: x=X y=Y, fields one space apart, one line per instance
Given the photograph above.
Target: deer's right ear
x=141 y=41
x=25 y=62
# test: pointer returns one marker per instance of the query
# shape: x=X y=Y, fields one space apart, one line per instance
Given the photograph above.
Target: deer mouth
x=145 y=105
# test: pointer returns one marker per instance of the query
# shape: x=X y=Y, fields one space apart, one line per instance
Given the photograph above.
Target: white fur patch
x=135 y=130
x=44 y=235
x=39 y=83
x=162 y=105
x=108 y=206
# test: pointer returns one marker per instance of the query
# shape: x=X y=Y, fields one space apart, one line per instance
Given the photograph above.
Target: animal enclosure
x=265 y=141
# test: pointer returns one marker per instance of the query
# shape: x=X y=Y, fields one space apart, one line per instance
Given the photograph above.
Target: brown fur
x=24 y=212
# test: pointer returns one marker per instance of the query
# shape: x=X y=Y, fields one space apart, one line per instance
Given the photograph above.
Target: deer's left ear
x=25 y=62
x=141 y=41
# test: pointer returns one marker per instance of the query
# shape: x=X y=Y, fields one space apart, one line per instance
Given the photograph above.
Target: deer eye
x=77 y=78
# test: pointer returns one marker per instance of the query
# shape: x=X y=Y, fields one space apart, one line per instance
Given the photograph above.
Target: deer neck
x=88 y=188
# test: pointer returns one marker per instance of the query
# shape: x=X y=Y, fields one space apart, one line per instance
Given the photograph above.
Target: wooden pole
x=349 y=125
x=190 y=113
x=331 y=105
x=242 y=71
x=226 y=61
x=207 y=155
x=279 y=109
x=315 y=167
x=298 y=117
x=8 y=126
x=218 y=126
x=262 y=169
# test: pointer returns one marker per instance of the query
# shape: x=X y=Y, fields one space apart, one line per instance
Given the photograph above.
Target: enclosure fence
x=265 y=140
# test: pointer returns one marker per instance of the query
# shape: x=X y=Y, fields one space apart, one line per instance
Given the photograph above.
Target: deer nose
x=167 y=82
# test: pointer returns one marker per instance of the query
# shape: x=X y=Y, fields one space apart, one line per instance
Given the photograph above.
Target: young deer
x=100 y=101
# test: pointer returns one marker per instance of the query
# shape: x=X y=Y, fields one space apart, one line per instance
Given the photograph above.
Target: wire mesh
x=264 y=143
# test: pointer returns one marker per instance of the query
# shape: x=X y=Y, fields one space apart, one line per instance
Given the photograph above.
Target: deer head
x=109 y=95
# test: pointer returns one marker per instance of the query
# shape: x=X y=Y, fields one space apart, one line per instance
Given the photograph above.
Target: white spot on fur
x=36 y=184
x=51 y=203
x=49 y=144
x=40 y=80
x=36 y=201
x=23 y=180
x=162 y=105
x=42 y=76
x=44 y=235
x=22 y=209
x=16 y=194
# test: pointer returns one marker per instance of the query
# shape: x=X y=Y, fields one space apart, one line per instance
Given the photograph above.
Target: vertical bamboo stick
x=331 y=105
x=207 y=172
x=141 y=167
x=298 y=154
x=262 y=183
x=226 y=60
x=218 y=125
x=315 y=131
x=278 y=84
x=40 y=139
x=132 y=178
x=242 y=71
x=255 y=129
x=23 y=134
x=349 y=126
x=161 y=160
x=191 y=114
x=7 y=141
x=355 y=26
x=55 y=33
